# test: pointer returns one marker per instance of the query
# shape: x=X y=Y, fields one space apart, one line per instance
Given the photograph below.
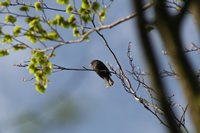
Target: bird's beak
x=90 y=65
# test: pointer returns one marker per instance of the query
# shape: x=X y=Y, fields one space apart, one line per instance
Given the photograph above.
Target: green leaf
x=17 y=30
x=31 y=71
x=39 y=54
x=38 y=6
x=63 y=2
x=85 y=4
x=45 y=81
x=22 y=46
x=65 y=24
x=10 y=18
x=47 y=69
x=7 y=38
x=95 y=6
x=4 y=52
x=24 y=8
x=43 y=33
x=50 y=65
x=102 y=14
x=28 y=20
x=33 y=39
x=71 y=18
x=73 y=25
x=52 y=22
x=69 y=9
x=76 y=32
x=32 y=68
x=60 y=19
x=19 y=46
x=33 y=60
x=42 y=60
x=33 y=22
x=83 y=11
x=40 y=87
x=43 y=38
x=38 y=78
x=5 y=3
x=38 y=75
x=30 y=34
x=16 y=48
x=86 y=18
x=53 y=35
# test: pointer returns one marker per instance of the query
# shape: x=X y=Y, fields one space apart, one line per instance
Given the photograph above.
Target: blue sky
x=97 y=109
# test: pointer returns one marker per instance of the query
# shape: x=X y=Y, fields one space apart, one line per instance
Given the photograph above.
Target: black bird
x=102 y=71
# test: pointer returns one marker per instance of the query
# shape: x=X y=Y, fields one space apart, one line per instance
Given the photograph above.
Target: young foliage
x=62 y=22
x=36 y=30
x=19 y=47
x=5 y=3
x=86 y=18
x=52 y=22
x=41 y=67
x=38 y=6
x=71 y=18
x=7 y=39
x=102 y=14
x=63 y=2
x=53 y=35
x=39 y=63
x=24 y=8
x=69 y=9
x=60 y=19
x=31 y=36
x=76 y=32
x=85 y=14
x=85 y=4
x=95 y=6
x=17 y=30
x=4 y=52
x=10 y=18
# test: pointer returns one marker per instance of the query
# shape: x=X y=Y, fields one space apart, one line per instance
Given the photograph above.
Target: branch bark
x=170 y=31
x=153 y=64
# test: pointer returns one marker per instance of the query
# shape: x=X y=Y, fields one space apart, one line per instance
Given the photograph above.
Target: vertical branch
x=153 y=64
x=170 y=31
x=195 y=9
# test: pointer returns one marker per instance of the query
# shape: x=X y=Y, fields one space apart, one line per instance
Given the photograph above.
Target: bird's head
x=94 y=62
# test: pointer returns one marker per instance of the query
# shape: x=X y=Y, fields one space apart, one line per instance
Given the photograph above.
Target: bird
x=102 y=71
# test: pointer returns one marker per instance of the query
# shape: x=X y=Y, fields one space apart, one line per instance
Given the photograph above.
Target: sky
x=78 y=101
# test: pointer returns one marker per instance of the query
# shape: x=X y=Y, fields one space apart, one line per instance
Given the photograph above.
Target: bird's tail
x=109 y=82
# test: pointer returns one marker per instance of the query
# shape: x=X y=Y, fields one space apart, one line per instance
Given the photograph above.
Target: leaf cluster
x=5 y=3
x=78 y=19
x=41 y=67
x=19 y=47
x=4 y=52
